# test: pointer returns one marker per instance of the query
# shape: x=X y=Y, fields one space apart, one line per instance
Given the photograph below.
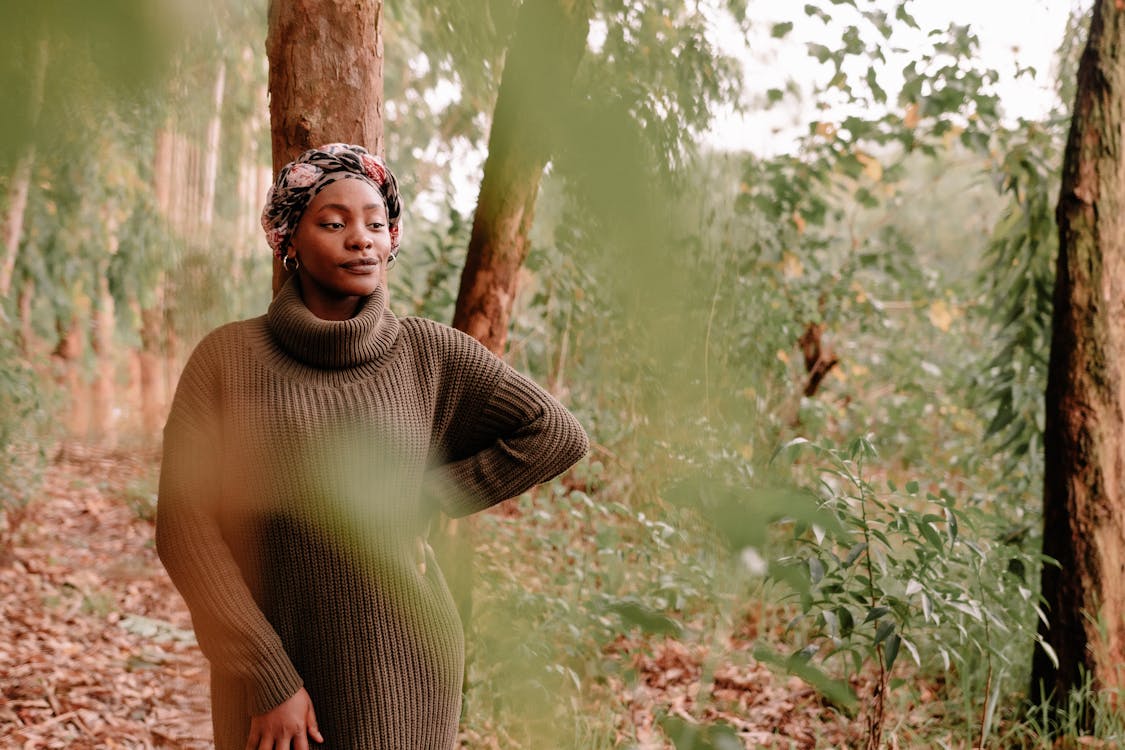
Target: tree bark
x=13 y=223
x=67 y=355
x=104 y=424
x=325 y=78
x=27 y=329
x=152 y=360
x=1084 y=440
x=539 y=68
x=533 y=100
x=211 y=158
x=21 y=179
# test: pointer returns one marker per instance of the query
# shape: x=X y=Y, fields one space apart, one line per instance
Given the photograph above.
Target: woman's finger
x=314 y=730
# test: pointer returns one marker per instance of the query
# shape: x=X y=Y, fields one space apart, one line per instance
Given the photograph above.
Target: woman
x=304 y=456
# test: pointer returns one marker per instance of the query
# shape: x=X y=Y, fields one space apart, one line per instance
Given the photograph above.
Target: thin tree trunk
x=211 y=158
x=67 y=356
x=162 y=170
x=533 y=99
x=13 y=222
x=192 y=189
x=325 y=79
x=151 y=360
x=27 y=329
x=103 y=421
x=21 y=179
x=172 y=355
x=1084 y=440
x=168 y=185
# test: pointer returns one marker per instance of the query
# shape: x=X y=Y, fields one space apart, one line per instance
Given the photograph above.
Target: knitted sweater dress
x=303 y=460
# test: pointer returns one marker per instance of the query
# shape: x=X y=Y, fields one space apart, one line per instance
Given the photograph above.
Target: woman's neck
x=328 y=306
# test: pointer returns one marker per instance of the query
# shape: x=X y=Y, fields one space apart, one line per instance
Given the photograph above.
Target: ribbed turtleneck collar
x=364 y=339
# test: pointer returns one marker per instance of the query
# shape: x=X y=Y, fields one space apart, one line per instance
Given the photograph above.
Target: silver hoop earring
x=391 y=260
x=290 y=263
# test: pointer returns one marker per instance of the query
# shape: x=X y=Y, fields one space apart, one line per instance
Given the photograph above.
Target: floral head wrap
x=300 y=180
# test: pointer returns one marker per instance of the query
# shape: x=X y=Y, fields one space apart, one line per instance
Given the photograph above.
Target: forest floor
x=96 y=648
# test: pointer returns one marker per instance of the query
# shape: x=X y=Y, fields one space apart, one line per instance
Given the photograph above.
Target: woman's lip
x=360 y=266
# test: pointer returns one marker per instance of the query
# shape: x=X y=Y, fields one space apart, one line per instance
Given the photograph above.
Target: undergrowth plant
x=905 y=572
x=21 y=458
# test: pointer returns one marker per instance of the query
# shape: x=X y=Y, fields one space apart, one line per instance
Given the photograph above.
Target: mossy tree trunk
x=325 y=78
x=1084 y=482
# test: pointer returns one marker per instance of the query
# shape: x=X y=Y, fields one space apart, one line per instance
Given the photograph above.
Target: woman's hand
x=286 y=727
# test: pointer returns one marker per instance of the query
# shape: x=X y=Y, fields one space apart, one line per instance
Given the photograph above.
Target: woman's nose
x=359 y=239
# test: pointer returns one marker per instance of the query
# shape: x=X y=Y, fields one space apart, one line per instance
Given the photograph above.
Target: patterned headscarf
x=300 y=180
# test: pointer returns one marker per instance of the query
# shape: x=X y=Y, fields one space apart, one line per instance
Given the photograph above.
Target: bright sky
x=1010 y=31
x=1026 y=32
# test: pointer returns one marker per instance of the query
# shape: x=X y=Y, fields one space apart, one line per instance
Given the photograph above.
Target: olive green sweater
x=303 y=461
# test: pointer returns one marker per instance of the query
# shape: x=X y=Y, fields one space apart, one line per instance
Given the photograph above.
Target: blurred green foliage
x=663 y=300
x=22 y=455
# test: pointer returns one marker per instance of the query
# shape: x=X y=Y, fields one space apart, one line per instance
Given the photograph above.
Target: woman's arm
x=232 y=631
x=509 y=435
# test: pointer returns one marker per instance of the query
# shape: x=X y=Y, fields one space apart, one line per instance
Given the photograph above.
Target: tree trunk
x=27 y=328
x=325 y=79
x=162 y=170
x=533 y=99
x=21 y=180
x=67 y=356
x=1084 y=440
x=211 y=158
x=104 y=426
x=13 y=222
x=151 y=359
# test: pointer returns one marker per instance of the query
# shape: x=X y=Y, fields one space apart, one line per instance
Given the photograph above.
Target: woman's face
x=342 y=242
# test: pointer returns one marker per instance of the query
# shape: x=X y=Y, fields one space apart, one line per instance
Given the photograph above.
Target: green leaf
x=884 y=630
x=853 y=554
x=816 y=570
x=837 y=691
x=902 y=15
x=689 y=736
x=951 y=526
x=875 y=613
x=820 y=52
x=1050 y=652
x=779 y=30
x=913 y=651
x=846 y=621
x=931 y=535
x=648 y=620
x=891 y=651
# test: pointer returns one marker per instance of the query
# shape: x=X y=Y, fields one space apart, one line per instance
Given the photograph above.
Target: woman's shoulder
x=432 y=334
x=444 y=350
x=229 y=339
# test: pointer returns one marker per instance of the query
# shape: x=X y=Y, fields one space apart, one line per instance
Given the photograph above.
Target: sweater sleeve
x=513 y=436
x=232 y=631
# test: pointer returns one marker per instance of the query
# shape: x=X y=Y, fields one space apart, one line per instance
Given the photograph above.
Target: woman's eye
x=332 y=225
x=376 y=225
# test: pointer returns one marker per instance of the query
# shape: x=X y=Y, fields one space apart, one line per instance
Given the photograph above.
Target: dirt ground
x=96 y=648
